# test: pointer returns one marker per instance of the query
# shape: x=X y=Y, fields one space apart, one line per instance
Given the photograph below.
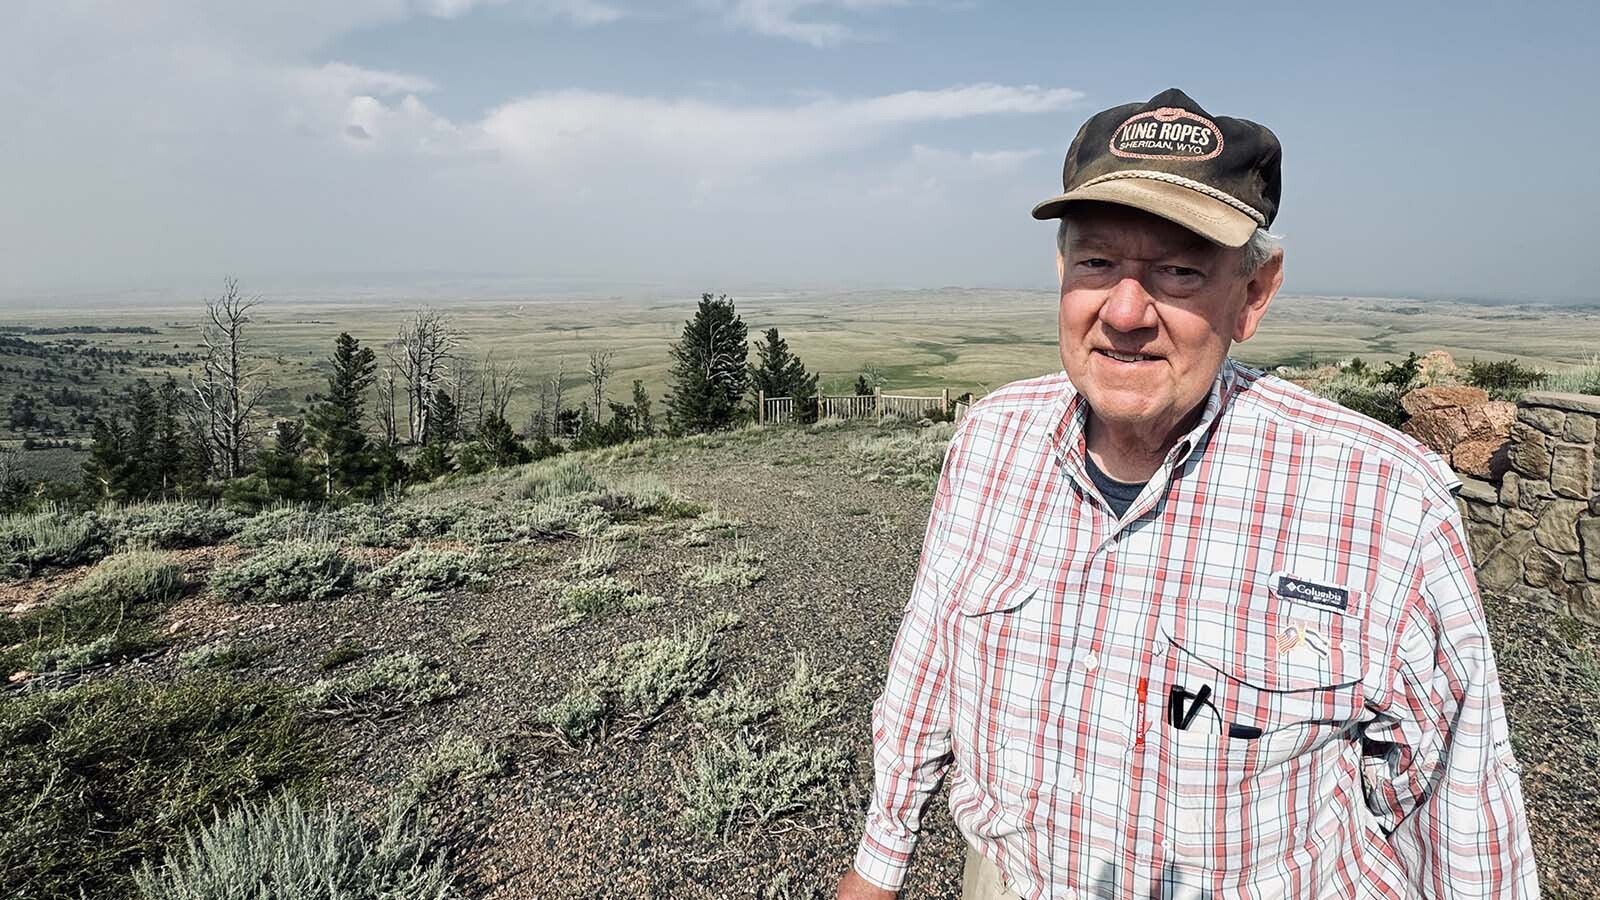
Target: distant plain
x=924 y=340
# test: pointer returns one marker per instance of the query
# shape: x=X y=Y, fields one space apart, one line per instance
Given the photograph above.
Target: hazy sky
x=1429 y=148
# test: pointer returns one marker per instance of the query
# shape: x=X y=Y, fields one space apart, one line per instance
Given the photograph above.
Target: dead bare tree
x=599 y=371
x=228 y=390
x=558 y=386
x=461 y=381
x=422 y=352
x=496 y=382
x=386 y=386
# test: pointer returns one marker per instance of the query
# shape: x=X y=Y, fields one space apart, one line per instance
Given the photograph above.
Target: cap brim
x=1206 y=216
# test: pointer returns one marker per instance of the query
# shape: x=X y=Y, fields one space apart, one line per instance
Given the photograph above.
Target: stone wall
x=1536 y=534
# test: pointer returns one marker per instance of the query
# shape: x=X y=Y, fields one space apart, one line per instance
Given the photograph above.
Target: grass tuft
x=388 y=686
x=737 y=565
x=457 y=759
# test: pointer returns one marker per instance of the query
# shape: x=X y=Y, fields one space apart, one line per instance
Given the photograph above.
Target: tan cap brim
x=1206 y=216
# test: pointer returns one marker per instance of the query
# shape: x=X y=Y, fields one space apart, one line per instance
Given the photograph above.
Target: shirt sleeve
x=1447 y=792
x=910 y=725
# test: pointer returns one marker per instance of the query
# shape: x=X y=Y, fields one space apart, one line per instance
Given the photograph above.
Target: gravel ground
x=840 y=553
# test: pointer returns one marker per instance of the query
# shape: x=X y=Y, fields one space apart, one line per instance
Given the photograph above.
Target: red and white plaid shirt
x=1305 y=564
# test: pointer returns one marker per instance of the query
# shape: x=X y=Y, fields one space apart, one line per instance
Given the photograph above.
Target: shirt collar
x=1069 y=418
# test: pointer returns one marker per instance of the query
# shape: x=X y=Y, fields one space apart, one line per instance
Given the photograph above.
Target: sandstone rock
x=1585 y=604
x=1549 y=421
x=1558 y=526
x=1435 y=366
x=1572 y=570
x=1482 y=459
x=1502 y=568
x=1490 y=421
x=1518 y=520
x=1508 y=489
x=1442 y=396
x=1580 y=428
x=1583 y=403
x=1528 y=453
x=1482 y=512
x=1441 y=428
x=1589 y=536
x=1541 y=570
x=1571 y=467
x=1481 y=541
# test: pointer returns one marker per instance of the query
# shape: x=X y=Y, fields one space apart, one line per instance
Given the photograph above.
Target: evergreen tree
x=174 y=465
x=142 y=476
x=709 y=376
x=862 y=388
x=782 y=374
x=336 y=420
x=444 y=419
x=643 y=421
x=280 y=473
x=105 y=472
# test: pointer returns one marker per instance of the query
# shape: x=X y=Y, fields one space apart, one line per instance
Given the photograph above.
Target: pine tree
x=142 y=477
x=862 y=388
x=444 y=419
x=643 y=422
x=173 y=464
x=709 y=376
x=280 y=473
x=105 y=471
x=782 y=374
x=336 y=420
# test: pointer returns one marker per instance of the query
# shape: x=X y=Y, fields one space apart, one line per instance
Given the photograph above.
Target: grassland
x=966 y=340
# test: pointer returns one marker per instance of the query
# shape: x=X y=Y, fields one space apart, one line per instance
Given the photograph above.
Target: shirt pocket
x=1238 y=802
x=1010 y=650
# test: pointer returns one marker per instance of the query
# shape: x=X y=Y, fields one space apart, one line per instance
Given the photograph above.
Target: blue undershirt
x=1120 y=494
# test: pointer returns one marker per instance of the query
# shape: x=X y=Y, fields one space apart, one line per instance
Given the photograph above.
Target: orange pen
x=1144 y=692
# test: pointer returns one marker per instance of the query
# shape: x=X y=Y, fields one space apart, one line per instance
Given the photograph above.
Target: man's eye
x=1183 y=271
x=1095 y=263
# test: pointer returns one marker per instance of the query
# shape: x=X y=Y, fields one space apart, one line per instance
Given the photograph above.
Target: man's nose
x=1129 y=307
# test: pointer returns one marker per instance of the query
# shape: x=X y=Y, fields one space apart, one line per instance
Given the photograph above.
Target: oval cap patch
x=1167 y=133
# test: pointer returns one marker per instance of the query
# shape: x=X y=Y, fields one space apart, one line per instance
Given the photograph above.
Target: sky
x=1430 y=149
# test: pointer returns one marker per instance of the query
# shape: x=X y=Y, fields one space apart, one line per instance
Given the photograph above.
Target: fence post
x=821 y=412
x=877 y=400
x=761 y=407
x=944 y=400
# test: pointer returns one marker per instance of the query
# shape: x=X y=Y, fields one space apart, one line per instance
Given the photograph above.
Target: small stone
x=1532 y=494
x=1440 y=429
x=1549 y=421
x=1572 y=570
x=1542 y=570
x=1585 y=604
x=1528 y=453
x=1589 y=536
x=1580 y=428
x=1517 y=520
x=18 y=676
x=1502 y=568
x=1571 y=467
x=1508 y=489
x=1558 y=526
x=1480 y=512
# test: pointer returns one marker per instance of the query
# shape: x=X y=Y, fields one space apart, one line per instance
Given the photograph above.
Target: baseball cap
x=1216 y=176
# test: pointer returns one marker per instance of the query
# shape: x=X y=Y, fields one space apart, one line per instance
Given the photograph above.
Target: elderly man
x=1183 y=628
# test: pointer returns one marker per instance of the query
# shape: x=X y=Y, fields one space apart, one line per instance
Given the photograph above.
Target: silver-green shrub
x=424 y=570
x=169 y=525
x=281 y=850
x=738 y=781
x=386 y=686
x=292 y=571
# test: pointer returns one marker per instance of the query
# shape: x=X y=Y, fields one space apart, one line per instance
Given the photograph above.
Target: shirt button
x=1090 y=662
x=1069 y=894
x=1075 y=785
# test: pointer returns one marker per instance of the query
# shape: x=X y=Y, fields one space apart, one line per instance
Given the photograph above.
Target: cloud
x=786 y=18
x=580 y=128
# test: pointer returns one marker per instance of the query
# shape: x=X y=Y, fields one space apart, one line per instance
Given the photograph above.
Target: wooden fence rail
x=782 y=410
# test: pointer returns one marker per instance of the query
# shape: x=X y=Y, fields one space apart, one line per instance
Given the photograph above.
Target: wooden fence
x=782 y=411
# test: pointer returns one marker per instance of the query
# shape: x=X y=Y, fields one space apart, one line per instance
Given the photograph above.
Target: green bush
x=136 y=576
x=1379 y=400
x=358 y=524
x=218 y=656
x=425 y=570
x=456 y=759
x=556 y=478
x=1504 y=379
x=1581 y=379
x=52 y=537
x=288 y=572
x=738 y=782
x=109 y=615
x=737 y=565
x=904 y=457
x=387 y=686
x=169 y=526
x=280 y=850
x=603 y=596
x=99 y=776
x=636 y=686
x=730 y=710
x=809 y=697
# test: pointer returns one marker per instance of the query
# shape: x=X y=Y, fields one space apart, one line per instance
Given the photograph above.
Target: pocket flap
x=980 y=588
x=1299 y=657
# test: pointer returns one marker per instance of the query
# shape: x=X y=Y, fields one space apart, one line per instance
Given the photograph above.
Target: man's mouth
x=1128 y=357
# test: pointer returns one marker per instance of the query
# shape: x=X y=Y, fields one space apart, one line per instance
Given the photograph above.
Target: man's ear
x=1259 y=291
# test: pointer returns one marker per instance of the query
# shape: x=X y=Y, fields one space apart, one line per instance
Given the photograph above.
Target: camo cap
x=1216 y=176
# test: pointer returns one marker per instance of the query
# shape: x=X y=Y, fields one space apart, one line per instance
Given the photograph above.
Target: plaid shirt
x=1301 y=565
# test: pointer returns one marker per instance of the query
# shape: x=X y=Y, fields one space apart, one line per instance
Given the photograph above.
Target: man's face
x=1148 y=312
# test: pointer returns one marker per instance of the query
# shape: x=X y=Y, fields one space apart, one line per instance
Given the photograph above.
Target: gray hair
x=1261 y=247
